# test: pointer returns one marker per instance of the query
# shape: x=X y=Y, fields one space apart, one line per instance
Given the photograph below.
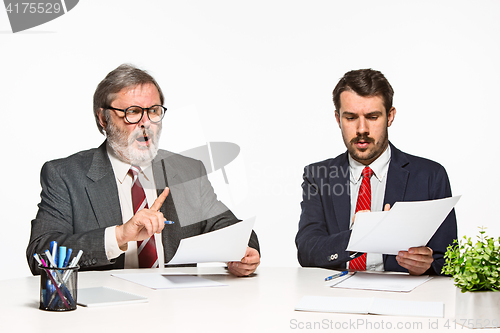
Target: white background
x=258 y=74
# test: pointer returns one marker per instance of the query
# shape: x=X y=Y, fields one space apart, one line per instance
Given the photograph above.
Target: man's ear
x=390 y=116
x=102 y=118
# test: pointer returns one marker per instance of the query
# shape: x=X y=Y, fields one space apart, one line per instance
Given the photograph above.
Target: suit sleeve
x=216 y=214
x=54 y=222
x=320 y=240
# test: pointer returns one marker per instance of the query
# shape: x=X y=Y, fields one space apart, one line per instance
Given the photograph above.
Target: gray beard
x=122 y=145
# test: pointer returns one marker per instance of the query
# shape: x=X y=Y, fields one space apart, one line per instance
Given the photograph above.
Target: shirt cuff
x=110 y=243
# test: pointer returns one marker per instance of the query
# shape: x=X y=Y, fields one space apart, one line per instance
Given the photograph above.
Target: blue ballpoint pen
x=336 y=275
x=68 y=254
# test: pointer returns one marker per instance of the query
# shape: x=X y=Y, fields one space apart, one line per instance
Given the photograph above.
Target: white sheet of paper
x=382 y=282
x=359 y=305
x=226 y=244
x=408 y=308
x=407 y=224
x=365 y=305
x=104 y=296
x=168 y=281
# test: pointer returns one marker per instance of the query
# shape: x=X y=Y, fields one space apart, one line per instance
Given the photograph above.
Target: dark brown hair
x=364 y=82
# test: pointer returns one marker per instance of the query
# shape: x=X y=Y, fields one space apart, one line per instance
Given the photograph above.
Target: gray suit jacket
x=79 y=200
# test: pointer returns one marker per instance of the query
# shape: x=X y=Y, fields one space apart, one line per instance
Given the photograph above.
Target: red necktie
x=146 y=249
x=364 y=203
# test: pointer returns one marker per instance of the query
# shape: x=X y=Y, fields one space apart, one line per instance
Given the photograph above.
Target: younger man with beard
x=112 y=202
x=371 y=175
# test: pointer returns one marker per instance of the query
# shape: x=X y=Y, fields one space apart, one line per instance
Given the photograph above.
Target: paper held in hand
x=407 y=224
x=222 y=245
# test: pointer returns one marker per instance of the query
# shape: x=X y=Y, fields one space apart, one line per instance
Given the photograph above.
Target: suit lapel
x=397 y=177
x=102 y=191
x=340 y=192
x=162 y=168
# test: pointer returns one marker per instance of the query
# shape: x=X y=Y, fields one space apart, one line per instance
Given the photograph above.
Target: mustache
x=362 y=137
x=141 y=132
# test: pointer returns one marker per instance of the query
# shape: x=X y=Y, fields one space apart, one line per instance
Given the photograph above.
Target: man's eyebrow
x=369 y=114
x=374 y=113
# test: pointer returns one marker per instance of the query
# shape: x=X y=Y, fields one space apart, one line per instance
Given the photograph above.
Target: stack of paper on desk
x=407 y=224
x=168 y=281
x=362 y=305
x=103 y=296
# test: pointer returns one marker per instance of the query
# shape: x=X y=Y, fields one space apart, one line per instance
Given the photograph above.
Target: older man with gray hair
x=128 y=204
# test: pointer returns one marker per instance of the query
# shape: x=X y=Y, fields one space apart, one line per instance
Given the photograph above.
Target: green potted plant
x=475 y=269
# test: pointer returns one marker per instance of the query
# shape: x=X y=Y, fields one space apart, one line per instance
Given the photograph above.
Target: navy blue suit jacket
x=324 y=221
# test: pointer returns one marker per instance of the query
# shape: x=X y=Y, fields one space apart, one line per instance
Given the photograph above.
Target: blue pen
x=53 y=250
x=68 y=255
x=169 y=222
x=336 y=275
x=62 y=256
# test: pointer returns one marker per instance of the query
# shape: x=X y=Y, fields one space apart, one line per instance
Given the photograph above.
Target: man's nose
x=362 y=126
x=145 y=119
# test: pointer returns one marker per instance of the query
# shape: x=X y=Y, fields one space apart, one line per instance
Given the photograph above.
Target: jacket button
x=333 y=257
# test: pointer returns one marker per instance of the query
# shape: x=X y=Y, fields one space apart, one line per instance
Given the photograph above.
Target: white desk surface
x=262 y=303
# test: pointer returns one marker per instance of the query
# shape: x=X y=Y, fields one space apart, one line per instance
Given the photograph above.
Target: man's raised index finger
x=159 y=201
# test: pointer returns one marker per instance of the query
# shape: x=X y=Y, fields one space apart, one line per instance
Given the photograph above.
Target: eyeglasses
x=134 y=113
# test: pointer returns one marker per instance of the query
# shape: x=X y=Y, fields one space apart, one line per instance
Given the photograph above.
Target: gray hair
x=123 y=76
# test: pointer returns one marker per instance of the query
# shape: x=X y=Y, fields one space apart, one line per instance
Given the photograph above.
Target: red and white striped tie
x=146 y=249
x=364 y=203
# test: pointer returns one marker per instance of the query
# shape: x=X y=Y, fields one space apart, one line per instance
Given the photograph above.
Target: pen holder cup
x=58 y=288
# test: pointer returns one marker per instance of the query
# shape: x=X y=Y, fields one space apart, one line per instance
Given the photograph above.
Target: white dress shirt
x=124 y=184
x=380 y=167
